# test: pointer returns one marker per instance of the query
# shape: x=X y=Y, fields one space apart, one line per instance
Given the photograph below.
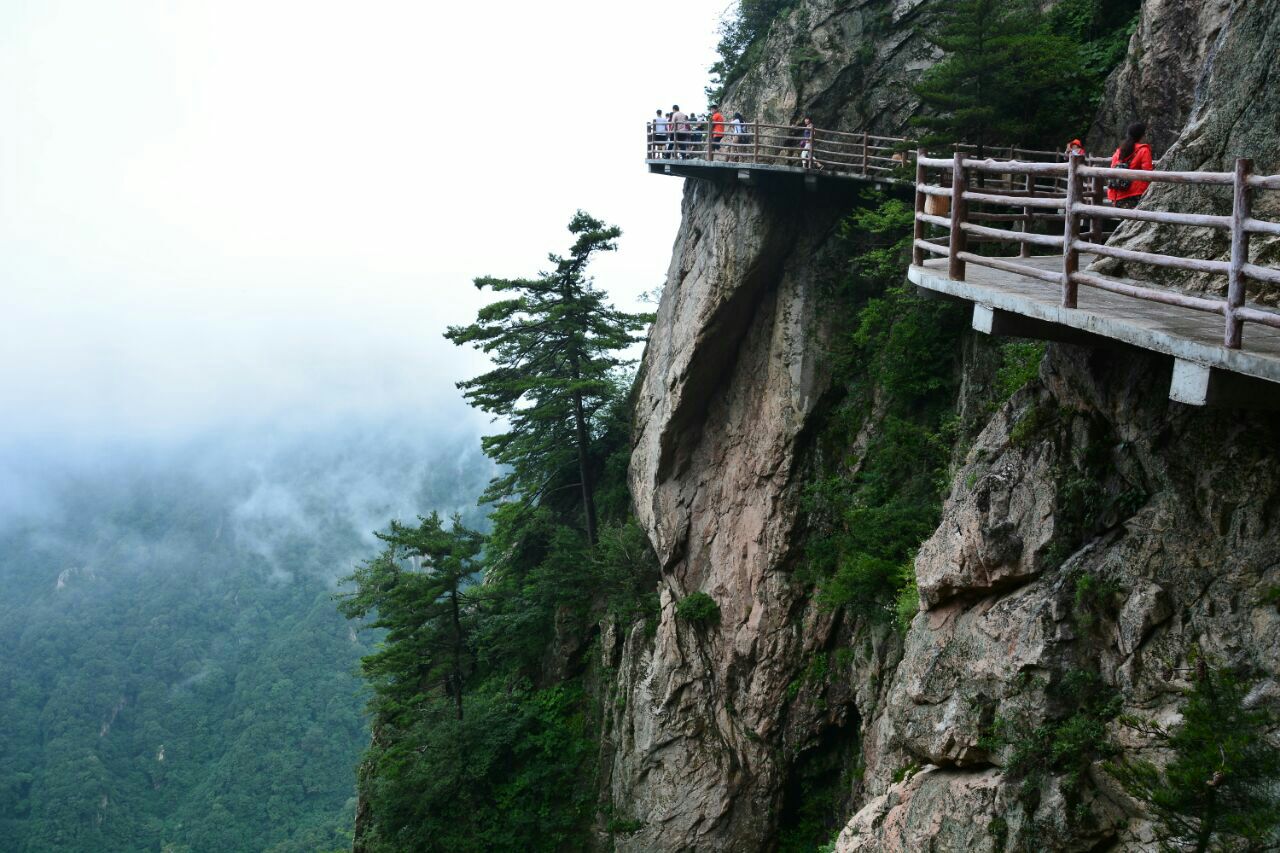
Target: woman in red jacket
x=1133 y=154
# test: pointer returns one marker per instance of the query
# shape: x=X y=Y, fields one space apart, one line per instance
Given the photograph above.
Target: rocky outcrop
x=1157 y=81
x=849 y=65
x=1183 y=545
x=731 y=378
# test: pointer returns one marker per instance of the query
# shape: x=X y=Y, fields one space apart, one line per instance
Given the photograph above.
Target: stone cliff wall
x=708 y=730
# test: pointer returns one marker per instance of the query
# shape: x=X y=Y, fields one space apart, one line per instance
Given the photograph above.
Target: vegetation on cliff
x=486 y=726
x=1020 y=73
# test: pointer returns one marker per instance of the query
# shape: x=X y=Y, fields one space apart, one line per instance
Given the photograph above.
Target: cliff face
x=1085 y=473
x=1097 y=533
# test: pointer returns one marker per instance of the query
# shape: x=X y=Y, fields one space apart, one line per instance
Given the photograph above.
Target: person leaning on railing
x=1133 y=153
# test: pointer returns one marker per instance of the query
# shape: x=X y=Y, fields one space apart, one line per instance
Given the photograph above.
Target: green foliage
x=178 y=690
x=741 y=45
x=554 y=340
x=416 y=590
x=698 y=609
x=1017 y=72
x=896 y=366
x=1095 y=597
x=1019 y=365
x=1219 y=789
x=1064 y=746
x=908 y=603
x=485 y=726
x=905 y=772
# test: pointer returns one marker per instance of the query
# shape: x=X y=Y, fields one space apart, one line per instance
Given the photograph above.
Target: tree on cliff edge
x=554 y=341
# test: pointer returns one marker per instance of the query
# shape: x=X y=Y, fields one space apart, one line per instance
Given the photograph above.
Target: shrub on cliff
x=1220 y=789
x=698 y=609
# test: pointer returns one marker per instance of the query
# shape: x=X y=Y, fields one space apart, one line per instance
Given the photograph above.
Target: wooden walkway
x=764 y=153
x=1006 y=303
x=1038 y=201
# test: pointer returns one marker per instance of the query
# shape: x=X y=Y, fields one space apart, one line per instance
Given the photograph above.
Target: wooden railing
x=856 y=154
x=968 y=200
x=764 y=144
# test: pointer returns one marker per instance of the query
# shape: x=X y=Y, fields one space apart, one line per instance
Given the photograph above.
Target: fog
x=232 y=216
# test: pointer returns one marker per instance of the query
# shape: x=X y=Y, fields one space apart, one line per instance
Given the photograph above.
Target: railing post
x=1095 y=222
x=959 y=182
x=755 y=144
x=1071 y=234
x=865 y=164
x=1240 y=211
x=1028 y=213
x=710 y=151
x=922 y=178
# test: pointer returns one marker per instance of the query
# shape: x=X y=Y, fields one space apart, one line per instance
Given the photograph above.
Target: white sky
x=225 y=211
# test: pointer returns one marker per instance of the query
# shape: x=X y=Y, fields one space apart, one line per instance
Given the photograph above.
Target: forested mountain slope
x=175 y=675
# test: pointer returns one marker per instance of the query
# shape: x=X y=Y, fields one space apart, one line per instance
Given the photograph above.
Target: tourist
x=695 y=135
x=679 y=129
x=737 y=135
x=717 y=127
x=1133 y=153
x=806 y=146
x=1075 y=148
x=659 y=136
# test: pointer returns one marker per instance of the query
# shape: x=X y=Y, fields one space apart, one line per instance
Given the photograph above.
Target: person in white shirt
x=735 y=136
x=659 y=137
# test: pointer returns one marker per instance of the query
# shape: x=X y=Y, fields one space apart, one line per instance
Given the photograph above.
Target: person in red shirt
x=717 y=127
x=1132 y=154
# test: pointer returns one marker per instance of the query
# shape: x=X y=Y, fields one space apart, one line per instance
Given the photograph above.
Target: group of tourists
x=1133 y=153
x=677 y=136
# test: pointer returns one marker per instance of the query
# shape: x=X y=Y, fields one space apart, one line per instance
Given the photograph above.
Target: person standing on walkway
x=806 y=146
x=659 y=136
x=1132 y=154
x=717 y=127
x=679 y=129
x=737 y=136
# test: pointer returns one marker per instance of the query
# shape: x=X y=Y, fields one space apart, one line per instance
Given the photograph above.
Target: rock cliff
x=1094 y=539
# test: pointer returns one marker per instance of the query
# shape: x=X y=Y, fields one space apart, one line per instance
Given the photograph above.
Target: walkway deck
x=764 y=173
x=1006 y=303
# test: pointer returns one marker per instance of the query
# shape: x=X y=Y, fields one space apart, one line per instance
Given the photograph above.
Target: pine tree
x=1218 y=791
x=417 y=588
x=1000 y=59
x=555 y=341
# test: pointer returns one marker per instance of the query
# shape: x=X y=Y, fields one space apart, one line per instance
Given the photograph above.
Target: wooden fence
x=837 y=152
x=764 y=144
x=968 y=201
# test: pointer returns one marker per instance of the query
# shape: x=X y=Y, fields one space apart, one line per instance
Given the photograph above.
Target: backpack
x=1122 y=183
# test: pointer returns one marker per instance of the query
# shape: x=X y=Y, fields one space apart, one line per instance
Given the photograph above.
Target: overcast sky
x=231 y=212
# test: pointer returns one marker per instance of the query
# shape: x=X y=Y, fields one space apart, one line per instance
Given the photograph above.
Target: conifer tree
x=1000 y=59
x=417 y=588
x=1219 y=788
x=555 y=341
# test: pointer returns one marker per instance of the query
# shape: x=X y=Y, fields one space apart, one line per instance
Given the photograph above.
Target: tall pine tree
x=1001 y=59
x=555 y=341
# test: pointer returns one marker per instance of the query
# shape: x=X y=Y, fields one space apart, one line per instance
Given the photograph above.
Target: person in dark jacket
x=1132 y=154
